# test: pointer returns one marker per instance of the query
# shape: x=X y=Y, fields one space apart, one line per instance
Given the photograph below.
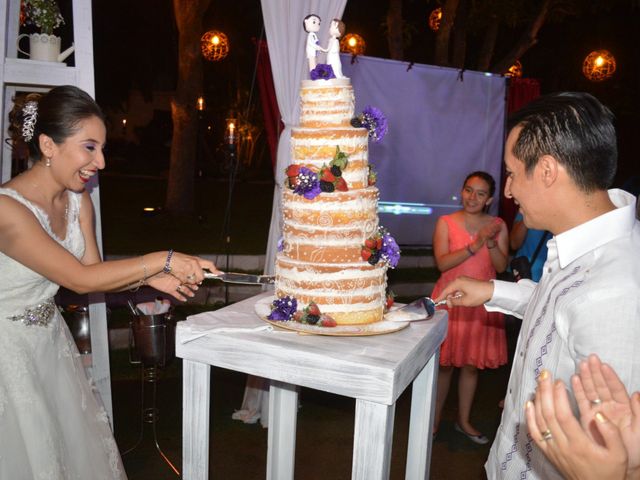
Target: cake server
x=424 y=308
x=244 y=278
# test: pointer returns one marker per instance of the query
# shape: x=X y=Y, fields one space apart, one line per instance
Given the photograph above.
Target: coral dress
x=475 y=337
x=52 y=427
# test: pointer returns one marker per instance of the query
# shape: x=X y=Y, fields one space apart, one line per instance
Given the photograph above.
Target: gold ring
x=191 y=277
x=546 y=435
x=179 y=288
x=596 y=402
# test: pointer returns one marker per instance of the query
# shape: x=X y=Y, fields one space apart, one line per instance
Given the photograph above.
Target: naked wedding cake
x=333 y=258
x=330 y=212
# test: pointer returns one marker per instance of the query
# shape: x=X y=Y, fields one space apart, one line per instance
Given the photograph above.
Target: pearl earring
x=47 y=162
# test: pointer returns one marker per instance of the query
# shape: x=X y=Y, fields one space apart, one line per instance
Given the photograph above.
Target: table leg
x=373 y=437
x=281 y=447
x=423 y=401
x=196 y=384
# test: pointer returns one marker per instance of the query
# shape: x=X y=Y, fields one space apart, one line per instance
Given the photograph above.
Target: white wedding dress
x=51 y=424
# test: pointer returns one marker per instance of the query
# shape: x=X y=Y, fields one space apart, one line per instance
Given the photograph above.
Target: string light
x=353 y=43
x=599 y=65
x=214 y=45
x=434 y=19
x=515 y=70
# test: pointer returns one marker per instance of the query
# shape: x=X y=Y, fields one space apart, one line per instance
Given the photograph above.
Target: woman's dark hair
x=575 y=129
x=59 y=112
x=483 y=176
x=304 y=20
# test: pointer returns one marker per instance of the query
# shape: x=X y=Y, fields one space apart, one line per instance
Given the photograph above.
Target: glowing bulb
x=599 y=61
x=352 y=42
x=124 y=122
x=215 y=40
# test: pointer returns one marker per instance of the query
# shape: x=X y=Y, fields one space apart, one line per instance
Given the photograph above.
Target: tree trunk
x=180 y=189
x=394 y=30
x=441 y=56
x=460 y=35
x=488 y=45
x=528 y=40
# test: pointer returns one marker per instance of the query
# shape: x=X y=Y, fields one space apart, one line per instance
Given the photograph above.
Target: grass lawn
x=126 y=231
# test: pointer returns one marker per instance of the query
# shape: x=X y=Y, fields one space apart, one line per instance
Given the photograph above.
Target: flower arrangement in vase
x=44 y=15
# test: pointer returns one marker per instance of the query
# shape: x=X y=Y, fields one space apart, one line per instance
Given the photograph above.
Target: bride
x=52 y=426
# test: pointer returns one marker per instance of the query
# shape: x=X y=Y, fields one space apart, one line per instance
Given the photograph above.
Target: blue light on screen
x=404 y=208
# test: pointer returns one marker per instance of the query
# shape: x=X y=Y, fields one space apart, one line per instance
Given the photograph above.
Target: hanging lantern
x=352 y=43
x=599 y=65
x=434 y=19
x=214 y=45
x=515 y=70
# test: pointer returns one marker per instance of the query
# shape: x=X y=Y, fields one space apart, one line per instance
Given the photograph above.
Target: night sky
x=135 y=47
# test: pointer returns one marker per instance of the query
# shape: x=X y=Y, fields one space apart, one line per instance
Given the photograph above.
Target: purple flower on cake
x=390 y=252
x=323 y=71
x=308 y=184
x=282 y=309
x=381 y=247
x=374 y=121
x=280 y=244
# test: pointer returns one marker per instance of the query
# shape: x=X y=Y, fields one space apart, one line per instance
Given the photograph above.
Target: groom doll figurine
x=311 y=25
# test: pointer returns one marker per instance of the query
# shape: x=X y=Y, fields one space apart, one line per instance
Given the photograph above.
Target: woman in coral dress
x=472 y=243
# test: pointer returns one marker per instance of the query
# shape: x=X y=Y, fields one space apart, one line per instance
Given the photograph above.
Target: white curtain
x=286 y=40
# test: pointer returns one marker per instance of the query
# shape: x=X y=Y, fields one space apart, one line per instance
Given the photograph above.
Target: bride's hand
x=189 y=269
x=170 y=284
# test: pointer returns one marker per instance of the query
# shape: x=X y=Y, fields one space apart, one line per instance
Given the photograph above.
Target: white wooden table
x=374 y=370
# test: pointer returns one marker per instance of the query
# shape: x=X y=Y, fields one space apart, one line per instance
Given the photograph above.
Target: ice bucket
x=152 y=339
x=77 y=318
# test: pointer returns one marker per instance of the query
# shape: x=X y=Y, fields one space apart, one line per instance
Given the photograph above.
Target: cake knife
x=424 y=308
x=244 y=278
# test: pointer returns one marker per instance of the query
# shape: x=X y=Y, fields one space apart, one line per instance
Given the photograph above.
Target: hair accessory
x=167 y=264
x=29 y=117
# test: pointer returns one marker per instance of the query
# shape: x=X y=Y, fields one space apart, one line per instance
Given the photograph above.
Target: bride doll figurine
x=51 y=423
x=336 y=30
x=311 y=24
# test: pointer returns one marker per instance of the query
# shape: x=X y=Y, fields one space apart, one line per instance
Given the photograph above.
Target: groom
x=560 y=158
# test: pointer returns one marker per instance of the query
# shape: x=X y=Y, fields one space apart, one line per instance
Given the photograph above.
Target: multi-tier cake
x=334 y=256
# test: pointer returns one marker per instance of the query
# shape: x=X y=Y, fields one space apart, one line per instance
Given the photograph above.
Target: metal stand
x=149 y=413
x=150 y=340
x=226 y=225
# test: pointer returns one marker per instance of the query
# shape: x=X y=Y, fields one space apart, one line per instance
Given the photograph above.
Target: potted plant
x=44 y=15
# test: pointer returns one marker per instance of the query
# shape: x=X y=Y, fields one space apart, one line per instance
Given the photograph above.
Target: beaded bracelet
x=167 y=264
x=471 y=252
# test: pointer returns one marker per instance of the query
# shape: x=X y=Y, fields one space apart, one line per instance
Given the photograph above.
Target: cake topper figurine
x=336 y=30
x=311 y=25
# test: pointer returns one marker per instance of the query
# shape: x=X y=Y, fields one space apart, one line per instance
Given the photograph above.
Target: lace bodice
x=21 y=287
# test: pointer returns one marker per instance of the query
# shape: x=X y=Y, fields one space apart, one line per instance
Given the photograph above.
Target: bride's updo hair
x=57 y=115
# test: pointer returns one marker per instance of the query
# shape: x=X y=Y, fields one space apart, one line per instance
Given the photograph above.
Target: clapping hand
x=489 y=231
x=566 y=444
x=598 y=389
